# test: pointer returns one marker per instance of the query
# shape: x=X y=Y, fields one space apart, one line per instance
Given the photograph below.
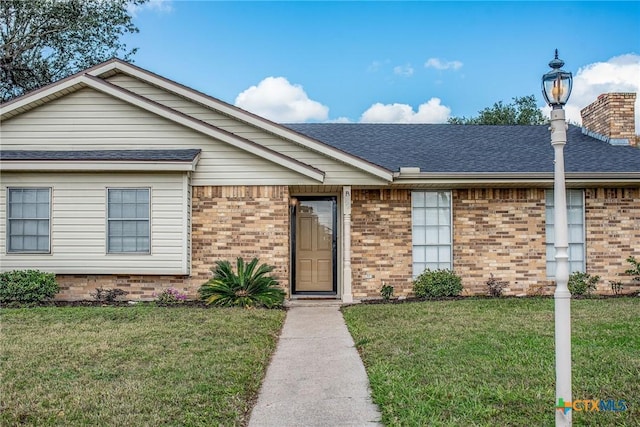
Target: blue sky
x=387 y=61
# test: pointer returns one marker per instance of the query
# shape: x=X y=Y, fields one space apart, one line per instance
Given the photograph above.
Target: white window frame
x=574 y=264
x=109 y=219
x=8 y=248
x=426 y=249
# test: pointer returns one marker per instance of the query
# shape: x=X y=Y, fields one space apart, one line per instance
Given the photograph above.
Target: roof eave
x=540 y=179
x=96 y=166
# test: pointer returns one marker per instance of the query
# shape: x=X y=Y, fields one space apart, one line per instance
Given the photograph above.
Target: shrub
x=582 y=283
x=437 y=283
x=616 y=287
x=495 y=286
x=249 y=287
x=170 y=296
x=386 y=292
x=635 y=268
x=108 y=295
x=27 y=286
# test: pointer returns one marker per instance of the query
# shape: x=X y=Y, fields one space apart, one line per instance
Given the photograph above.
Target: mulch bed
x=93 y=303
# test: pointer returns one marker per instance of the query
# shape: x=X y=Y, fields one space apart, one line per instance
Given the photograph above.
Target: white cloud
x=439 y=64
x=403 y=70
x=618 y=74
x=161 y=6
x=276 y=99
x=431 y=111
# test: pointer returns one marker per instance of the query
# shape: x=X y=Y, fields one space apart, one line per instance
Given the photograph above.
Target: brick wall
x=80 y=287
x=612 y=115
x=613 y=232
x=240 y=221
x=227 y=222
x=381 y=242
x=500 y=231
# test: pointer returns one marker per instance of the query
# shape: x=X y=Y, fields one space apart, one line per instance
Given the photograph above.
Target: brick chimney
x=612 y=118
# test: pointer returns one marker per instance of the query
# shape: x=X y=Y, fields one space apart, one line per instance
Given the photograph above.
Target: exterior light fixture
x=556 y=88
x=557 y=84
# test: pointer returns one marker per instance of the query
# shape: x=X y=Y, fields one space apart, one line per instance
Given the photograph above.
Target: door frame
x=334 y=244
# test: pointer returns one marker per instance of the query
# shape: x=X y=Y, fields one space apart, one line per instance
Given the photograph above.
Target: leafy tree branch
x=42 y=41
x=522 y=111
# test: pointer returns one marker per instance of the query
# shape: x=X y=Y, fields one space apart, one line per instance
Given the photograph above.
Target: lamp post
x=556 y=88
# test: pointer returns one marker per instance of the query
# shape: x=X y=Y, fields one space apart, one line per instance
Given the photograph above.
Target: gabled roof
x=92 y=78
x=84 y=79
x=472 y=149
x=320 y=146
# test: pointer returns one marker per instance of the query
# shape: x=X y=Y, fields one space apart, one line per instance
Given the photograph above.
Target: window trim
x=584 y=232
x=107 y=219
x=451 y=245
x=8 y=219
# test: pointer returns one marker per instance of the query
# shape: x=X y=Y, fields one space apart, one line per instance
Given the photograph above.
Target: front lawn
x=133 y=366
x=490 y=362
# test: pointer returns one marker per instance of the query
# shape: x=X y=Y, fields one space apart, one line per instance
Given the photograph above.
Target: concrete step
x=313 y=302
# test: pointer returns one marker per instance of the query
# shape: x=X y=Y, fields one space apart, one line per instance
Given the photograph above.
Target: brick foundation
x=80 y=287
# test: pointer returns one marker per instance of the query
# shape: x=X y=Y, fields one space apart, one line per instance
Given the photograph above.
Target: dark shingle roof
x=448 y=148
x=102 y=155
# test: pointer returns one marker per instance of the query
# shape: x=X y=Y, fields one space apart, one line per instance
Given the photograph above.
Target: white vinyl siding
x=337 y=172
x=432 y=230
x=28 y=220
x=79 y=224
x=575 y=221
x=91 y=120
x=128 y=226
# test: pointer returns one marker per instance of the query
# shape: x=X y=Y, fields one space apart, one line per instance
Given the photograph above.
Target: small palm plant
x=249 y=286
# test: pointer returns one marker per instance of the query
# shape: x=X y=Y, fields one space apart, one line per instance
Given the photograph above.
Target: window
x=431 y=212
x=128 y=220
x=575 y=220
x=28 y=220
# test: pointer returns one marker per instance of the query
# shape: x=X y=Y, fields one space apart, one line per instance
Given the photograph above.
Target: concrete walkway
x=316 y=377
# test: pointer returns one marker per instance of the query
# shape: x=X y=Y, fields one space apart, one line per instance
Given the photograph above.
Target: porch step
x=313 y=302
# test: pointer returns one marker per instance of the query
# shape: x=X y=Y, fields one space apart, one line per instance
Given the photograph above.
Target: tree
x=522 y=111
x=43 y=41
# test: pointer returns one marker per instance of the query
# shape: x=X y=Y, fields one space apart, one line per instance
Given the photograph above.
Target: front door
x=314 y=236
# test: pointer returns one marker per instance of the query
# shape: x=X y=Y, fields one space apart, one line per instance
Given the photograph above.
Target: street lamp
x=556 y=88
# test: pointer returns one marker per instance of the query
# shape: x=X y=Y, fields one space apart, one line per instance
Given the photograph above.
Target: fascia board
x=81 y=166
x=37 y=97
x=544 y=179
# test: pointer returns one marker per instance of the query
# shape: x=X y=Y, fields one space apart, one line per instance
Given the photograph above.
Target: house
x=117 y=177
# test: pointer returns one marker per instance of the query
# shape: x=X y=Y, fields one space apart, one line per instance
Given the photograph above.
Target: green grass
x=490 y=362
x=133 y=366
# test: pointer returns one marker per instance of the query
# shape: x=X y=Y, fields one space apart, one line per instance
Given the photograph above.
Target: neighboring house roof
x=445 y=148
x=103 y=155
x=100 y=160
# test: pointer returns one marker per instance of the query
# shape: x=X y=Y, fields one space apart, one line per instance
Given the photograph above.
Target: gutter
x=413 y=176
